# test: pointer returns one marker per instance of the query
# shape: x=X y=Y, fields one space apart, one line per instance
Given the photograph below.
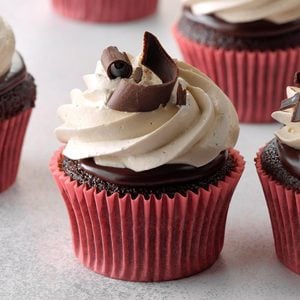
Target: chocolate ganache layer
x=167 y=179
x=17 y=89
x=258 y=35
x=282 y=163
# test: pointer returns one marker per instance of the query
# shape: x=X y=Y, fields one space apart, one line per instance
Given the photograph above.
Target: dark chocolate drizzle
x=261 y=28
x=290 y=158
x=132 y=97
x=166 y=174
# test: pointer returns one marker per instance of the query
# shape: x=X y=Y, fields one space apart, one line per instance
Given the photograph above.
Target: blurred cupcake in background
x=278 y=167
x=250 y=48
x=105 y=10
x=17 y=97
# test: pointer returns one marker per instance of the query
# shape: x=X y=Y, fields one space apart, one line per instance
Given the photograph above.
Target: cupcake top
x=242 y=11
x=145 y=112
x=288 y=136
x=7 y=46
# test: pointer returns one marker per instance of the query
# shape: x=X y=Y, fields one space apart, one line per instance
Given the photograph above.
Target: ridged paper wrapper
x=12 y=132
x=105 y=10
x=255 y=81
x=284 y=210
x=147 y=239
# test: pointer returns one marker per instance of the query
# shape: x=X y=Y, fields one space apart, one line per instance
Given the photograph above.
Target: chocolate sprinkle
x=181 y=95
x=137 y=74
x=132 y=97
x=116 y=63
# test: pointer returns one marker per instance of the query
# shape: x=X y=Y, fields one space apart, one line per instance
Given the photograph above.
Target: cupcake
x=105 y=10
x=148 y=167
x=278 y=167
x=251 y=49
x=17 y=96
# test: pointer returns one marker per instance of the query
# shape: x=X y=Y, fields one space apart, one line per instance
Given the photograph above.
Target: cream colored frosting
x=289 y=134
x=192 y=134
x=241 y=11
x=7 y=46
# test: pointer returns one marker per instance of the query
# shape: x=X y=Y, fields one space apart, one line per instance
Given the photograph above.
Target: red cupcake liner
x=105 y=10
x=12 y=132
x=147 y=239
x=284 y=209
x=255 y=81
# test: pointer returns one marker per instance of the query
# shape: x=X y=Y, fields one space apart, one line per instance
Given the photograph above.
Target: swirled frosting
x=289 y=134
x=242 y=11
x=192 y=134
x=7 y=46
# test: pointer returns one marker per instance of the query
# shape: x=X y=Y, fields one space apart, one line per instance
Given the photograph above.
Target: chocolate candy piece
x=292 y=102
x=132 y=97
x=116 y=63
x=181 y=95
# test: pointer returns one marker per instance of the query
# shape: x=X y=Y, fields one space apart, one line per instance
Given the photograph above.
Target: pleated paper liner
x=255 y=81
x=105 y=10
x=12 y=132
x=147 y=239
x=284 y=209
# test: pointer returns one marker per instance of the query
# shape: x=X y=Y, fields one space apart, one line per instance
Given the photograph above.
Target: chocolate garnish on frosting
x=297 y=79
x=132 y=97
x=116 y=63
x=181 y=95
x=292 y=102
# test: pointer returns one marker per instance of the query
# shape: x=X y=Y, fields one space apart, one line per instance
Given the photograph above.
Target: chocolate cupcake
x=249 y=48
x=148 y=169
x=17 y=97
x=278 y=167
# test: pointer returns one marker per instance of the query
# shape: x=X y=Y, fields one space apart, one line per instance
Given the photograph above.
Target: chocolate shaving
x=181 y=95
x=137 y=74
x=297 y=79
x=116 y=63
x=292 y=102
x=296 y=114
x=131 y=97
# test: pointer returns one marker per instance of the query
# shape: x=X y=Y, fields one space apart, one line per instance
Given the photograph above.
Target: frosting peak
x=192 y=127
x=243 y=11
x=7 y=46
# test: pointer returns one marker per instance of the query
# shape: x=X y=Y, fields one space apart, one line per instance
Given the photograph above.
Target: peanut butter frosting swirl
x=193 y=132
x=243 y=11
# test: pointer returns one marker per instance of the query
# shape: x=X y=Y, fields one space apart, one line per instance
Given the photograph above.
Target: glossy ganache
x=17 y=89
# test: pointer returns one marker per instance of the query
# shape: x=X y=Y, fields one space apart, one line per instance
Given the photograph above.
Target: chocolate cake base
x=219 y=34
x=273 y=166
x=73 y=169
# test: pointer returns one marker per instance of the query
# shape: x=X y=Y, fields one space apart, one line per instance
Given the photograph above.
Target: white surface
x=36 y=256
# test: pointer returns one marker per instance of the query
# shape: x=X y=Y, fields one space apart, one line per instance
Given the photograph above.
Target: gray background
x=36 y=257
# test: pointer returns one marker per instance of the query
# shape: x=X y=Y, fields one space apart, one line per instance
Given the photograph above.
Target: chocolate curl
x=131 y=97
x=181 y=95
x=116 y=63
x=297 y=79
x=292 y=102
